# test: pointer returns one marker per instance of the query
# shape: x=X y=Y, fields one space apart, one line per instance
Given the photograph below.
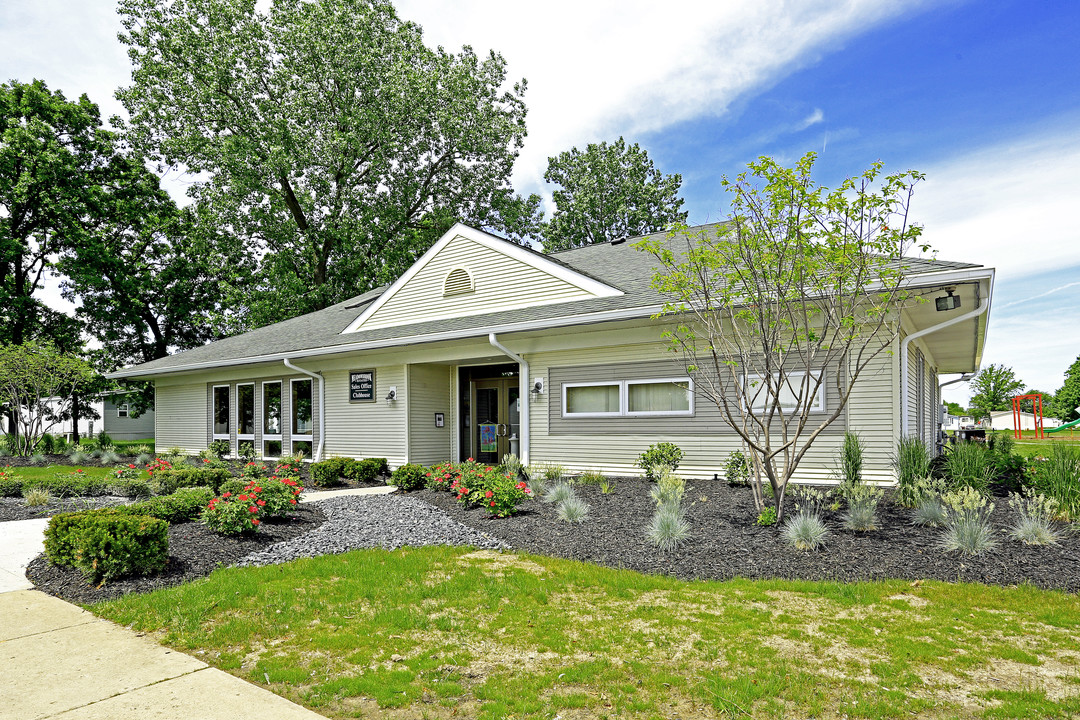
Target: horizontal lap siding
x=500 y=282
x=180 y=415
x=429 y=393
x=371 y=429
x=580 y=446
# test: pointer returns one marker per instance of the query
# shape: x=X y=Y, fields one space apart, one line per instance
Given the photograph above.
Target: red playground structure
x=1037 y=412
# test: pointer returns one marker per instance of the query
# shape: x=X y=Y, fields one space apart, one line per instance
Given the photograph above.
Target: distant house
x=484 y=347
x=1004 y=420
x=120 y=424
x=65 y=428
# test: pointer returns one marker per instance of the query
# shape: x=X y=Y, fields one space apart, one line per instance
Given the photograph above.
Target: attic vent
x=458 y=282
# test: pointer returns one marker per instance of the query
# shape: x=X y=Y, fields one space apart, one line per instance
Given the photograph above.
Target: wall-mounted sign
x=440 y=420
x=362 y=386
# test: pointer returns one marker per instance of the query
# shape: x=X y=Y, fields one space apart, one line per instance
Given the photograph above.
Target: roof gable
x=468 y=272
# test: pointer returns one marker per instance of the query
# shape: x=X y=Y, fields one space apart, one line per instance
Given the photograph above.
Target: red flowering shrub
x=480 y=485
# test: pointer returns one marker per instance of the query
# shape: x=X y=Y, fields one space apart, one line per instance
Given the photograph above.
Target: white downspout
x=523 y=394
x=905 y=412
x=322 y=407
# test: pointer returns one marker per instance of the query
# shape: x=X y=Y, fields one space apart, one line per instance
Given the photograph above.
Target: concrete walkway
x=59 y=661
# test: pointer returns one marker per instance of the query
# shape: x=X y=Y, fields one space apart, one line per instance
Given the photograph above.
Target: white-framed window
x=222 y=416
x=271 y=419
x=245 y=413
x=790 y=392
x=122 y=410
x=671 y=397
x=302 y=416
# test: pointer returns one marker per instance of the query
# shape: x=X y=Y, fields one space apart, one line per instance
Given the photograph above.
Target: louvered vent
x=458 y=282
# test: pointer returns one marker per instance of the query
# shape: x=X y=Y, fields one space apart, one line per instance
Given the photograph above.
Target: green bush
x=737 y=469
x=184 y=505
x=1058 y=477
x=104 y=441
x=219 y=448
x=245 y=450
x=11 y=485
x=168 y=480
x=130 y=487
x=329 y=473
x=658 y=456
x=69 y=484
x=851 y=462
x=969 y=464
x=235 y=486
x=110 y=546
x=61 y=535
x=281 y=495
x=409 y=477
x=367 y=470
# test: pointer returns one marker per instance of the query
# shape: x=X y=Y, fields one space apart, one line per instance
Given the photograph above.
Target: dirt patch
x=496 y=562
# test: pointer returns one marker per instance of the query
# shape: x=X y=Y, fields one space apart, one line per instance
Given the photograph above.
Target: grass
x=1028 y=445
x=94 y=471
x=438 y=632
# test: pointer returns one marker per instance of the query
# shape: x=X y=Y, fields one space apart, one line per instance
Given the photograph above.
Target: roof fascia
x=587 y=284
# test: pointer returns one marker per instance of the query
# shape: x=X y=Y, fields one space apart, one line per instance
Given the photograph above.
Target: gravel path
x=386 y=521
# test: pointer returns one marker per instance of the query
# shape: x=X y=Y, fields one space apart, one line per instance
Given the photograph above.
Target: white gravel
x=374 y=521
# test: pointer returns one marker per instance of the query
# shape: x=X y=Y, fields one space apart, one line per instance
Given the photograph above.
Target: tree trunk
x=75 y=419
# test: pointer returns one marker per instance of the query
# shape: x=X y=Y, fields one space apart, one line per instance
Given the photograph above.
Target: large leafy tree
x=608 y=192
x=52 y=151
x=1067 y=398
x=38 y=383
x=993 y=389
x=326 y=133
x=799 y=289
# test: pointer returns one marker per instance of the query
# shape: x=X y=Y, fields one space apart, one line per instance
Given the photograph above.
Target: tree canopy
x=326 y=134
x=1067 y=398
x=993 y=389
x=608 y=192
x=799 y=290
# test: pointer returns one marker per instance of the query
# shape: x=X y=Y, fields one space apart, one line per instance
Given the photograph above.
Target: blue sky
x=984 y=97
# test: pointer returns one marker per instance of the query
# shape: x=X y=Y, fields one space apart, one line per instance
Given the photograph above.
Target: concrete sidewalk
x=59 y=661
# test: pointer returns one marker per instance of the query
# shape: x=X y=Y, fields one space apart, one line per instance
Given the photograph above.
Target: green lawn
x=94 y=471
x=441 y=632
x=1028 y=445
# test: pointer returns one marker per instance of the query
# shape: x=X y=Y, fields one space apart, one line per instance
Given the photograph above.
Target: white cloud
x=1010 y=206
x=812 y=119
x=597 y=70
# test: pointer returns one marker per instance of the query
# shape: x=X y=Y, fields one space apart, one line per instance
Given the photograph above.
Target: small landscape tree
x=799 y=289
x=1067 y=398
x=37 y=384
x=993 y=389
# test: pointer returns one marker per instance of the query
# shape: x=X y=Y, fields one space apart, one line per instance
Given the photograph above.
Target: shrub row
x=170 y=479
x=491 y=488
x=328 y=473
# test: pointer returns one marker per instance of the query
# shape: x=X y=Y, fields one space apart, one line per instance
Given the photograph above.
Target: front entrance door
x=497 y=418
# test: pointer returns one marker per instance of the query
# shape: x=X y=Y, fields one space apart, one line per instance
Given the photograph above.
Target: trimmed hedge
x=184 y=505
x=329 y=473
x=409 y=477
x=169 y=480
x=110 y=546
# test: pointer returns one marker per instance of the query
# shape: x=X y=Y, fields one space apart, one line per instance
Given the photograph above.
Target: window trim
x=818 y=406
x=271 y=437
x=122 y=410
x=624 y=398
x=213 y=414
x=254 y=414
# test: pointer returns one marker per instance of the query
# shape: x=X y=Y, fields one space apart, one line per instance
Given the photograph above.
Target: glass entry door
x=497 y=418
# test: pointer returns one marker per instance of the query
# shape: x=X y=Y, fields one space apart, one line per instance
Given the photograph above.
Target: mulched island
x=725 y=541
x=17 y=509
x=194 y=552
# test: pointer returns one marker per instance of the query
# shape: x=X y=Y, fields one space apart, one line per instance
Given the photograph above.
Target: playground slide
x=1074 y=423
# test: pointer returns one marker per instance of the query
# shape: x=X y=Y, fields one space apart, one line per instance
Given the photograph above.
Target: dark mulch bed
x=725 y=542
x=194 y=551
x=17 y=509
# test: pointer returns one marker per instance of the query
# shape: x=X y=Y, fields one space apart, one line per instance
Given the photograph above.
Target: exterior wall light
x=391 y=396
x=538 y=386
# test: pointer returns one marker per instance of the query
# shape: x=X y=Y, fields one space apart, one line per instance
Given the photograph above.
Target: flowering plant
x=254 y=470
x=503 y=495
x=279 y=493
x=159 y=464
x=233 y=514
x=126 y=472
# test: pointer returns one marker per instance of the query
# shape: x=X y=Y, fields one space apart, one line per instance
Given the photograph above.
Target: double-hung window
x=672 y=397
x=122 y=410
x=302 y=417
x=222 y=412
x=271 y=419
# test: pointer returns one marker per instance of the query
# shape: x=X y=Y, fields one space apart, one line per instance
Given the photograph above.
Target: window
x=245 y=411
x=122 y=410
x=789 y=393
x=301 y=411
x=629 y=398
x=221 y=412
x=271 y=419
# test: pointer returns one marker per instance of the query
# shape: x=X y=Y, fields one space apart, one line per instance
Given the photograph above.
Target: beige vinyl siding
x=429 y=393
x=501 y=283
x=586 y=447
x=180 y=414
x=370 y=429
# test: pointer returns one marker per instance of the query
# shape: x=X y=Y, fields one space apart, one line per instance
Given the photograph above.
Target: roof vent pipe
x=322 y=407
x=524 y=387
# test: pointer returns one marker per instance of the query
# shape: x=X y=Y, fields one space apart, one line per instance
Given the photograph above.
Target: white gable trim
x=587 y=284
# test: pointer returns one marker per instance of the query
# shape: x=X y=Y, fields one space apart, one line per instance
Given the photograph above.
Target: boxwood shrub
x=110 y=546
x=328 y=473
x=409 y=477
x=169 y=480
x=184 y=505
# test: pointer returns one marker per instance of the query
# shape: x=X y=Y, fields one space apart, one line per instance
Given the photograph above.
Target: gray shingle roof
x=617 y=264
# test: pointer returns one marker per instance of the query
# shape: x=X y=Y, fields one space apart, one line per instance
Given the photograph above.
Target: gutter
x=322 y=406
x=905 y=411
x=523 y=395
